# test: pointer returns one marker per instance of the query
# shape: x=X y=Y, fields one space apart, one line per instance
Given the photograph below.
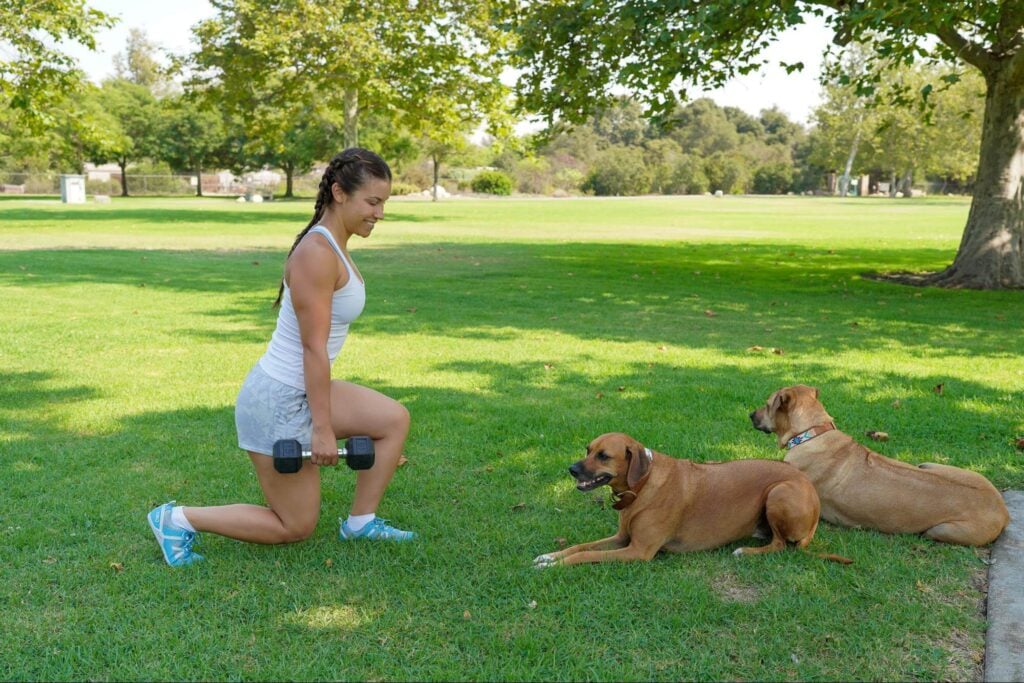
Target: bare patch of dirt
x=730 y=589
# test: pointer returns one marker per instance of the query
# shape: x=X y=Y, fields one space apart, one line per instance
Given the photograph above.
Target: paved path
x=1004 y=640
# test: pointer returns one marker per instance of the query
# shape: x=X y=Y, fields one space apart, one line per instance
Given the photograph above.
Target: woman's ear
x=338 y=193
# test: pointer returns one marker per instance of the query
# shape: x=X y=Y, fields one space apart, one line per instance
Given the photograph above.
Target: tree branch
x=970 y=52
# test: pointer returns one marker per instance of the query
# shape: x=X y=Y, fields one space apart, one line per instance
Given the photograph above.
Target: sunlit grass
x=514 y=331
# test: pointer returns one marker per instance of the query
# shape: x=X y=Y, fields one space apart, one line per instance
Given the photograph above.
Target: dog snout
x=576 y=469
x=758 y=422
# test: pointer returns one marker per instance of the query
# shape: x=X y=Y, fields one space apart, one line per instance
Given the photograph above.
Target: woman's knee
x=295 y=530
x=402 y=418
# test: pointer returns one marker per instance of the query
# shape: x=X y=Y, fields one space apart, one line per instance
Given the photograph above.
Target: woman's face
x=361 y=210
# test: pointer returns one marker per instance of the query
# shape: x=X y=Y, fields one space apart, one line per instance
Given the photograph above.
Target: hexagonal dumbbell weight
x=289 y=453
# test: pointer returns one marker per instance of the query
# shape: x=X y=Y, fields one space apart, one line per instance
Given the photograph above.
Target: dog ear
x=639 y=464
x=780 y=399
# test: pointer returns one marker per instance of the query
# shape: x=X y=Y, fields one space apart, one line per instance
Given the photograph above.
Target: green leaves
x=35 y=75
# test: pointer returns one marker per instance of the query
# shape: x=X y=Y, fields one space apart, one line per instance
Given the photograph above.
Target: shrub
x=688 y=176
x=618 y=171
x=492 y=182
x=533 y=175
x=400 y=188
x=774 y=178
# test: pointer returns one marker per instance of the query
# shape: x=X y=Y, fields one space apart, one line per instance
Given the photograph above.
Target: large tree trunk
x=289 y=172
x=351 y=114
x=991 y=253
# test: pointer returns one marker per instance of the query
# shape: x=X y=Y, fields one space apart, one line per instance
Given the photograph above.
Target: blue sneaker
x=175 y=541
x=377 y=530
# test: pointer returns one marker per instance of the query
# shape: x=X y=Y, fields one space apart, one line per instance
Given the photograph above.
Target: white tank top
x=283 y=359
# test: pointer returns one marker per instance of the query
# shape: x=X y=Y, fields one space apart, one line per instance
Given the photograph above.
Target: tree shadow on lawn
x=490 y=463
x=728 y=296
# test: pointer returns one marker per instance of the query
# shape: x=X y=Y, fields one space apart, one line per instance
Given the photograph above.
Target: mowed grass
x=514 y=331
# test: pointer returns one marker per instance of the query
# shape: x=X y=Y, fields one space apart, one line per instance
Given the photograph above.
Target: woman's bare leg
x=294 y=501
x=357 y=410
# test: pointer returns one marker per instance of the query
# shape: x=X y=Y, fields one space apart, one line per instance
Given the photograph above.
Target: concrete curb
x=1004 y=639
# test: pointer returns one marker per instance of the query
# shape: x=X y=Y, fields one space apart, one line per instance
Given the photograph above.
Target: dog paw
x=738 y=552
x=543 y=561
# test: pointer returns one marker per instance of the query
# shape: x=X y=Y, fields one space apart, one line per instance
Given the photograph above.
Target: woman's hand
x=324 y=447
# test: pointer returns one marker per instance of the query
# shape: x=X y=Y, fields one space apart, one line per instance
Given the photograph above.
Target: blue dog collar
x=810 y=434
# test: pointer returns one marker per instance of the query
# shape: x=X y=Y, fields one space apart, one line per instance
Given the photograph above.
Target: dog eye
x=601 y=455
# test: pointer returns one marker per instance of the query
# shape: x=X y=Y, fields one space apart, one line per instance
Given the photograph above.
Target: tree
x=138 y=64
x=134 y=109
x=191 y=138
x=942 y=140
x=34 y=74
x=574 y=52
x=407 y=59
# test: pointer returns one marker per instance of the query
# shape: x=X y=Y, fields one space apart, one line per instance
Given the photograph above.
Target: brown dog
x=861 y=488
x=677 y=505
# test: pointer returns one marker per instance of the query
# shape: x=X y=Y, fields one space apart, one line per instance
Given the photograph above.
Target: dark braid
x=349 y=169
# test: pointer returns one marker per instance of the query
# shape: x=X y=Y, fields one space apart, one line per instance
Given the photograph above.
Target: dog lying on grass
x=677 y=505
x=860 y=488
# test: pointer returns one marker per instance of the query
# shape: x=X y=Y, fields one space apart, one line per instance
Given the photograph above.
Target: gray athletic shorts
x=268 y=410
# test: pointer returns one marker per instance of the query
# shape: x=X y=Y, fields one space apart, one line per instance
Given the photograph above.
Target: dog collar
x=618 y=499
x=810 y=434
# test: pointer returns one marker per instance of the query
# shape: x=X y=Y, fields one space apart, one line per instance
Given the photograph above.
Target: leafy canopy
x=574 y=53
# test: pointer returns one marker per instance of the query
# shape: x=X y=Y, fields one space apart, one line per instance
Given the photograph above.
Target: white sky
x=169 y=24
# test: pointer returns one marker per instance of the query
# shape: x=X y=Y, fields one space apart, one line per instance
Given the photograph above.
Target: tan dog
x=677 y=505
x=861 y=488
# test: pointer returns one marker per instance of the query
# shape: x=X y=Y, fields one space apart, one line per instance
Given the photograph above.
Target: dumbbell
x=288 y=454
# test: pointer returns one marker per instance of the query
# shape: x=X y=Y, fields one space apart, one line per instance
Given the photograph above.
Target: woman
x=289 y=393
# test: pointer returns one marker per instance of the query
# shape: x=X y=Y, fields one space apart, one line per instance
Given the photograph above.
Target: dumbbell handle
x=309 y=454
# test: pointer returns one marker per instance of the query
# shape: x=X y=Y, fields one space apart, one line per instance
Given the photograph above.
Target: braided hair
x=350 y=169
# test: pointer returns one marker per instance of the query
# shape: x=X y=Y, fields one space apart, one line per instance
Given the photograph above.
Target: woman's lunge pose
x=289 y=393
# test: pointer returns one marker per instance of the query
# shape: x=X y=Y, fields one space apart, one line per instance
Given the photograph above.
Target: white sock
x=357 y=522
x=178 y=518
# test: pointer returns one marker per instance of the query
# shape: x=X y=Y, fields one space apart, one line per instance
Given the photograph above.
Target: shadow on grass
x=487 y=485
x=730 y=296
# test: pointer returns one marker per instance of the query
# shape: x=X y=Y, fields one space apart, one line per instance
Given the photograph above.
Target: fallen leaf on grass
x=402 y=460
x=622 y=388
x=561 y=541
x=467 y=615
x=1019 y=443
x=878 y=436
x=117 y=567
x=938 y=388
x=599 y=394
x=519 y=506
x=548 y=366
x=50 y=560
x=755 y=348
x=923 y=588
x=533 y=604
x=663 y=348
x=411 y=310
x=329 y=562
x=896 y=404
x=709 y=313
x=777 y=352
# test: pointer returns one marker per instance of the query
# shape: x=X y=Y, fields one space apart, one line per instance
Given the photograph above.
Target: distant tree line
x=242 y=102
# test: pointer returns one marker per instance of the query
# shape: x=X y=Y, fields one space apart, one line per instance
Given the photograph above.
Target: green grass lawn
x=514 y=331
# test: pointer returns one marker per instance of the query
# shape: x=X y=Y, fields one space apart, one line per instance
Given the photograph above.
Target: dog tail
x=833 y=558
